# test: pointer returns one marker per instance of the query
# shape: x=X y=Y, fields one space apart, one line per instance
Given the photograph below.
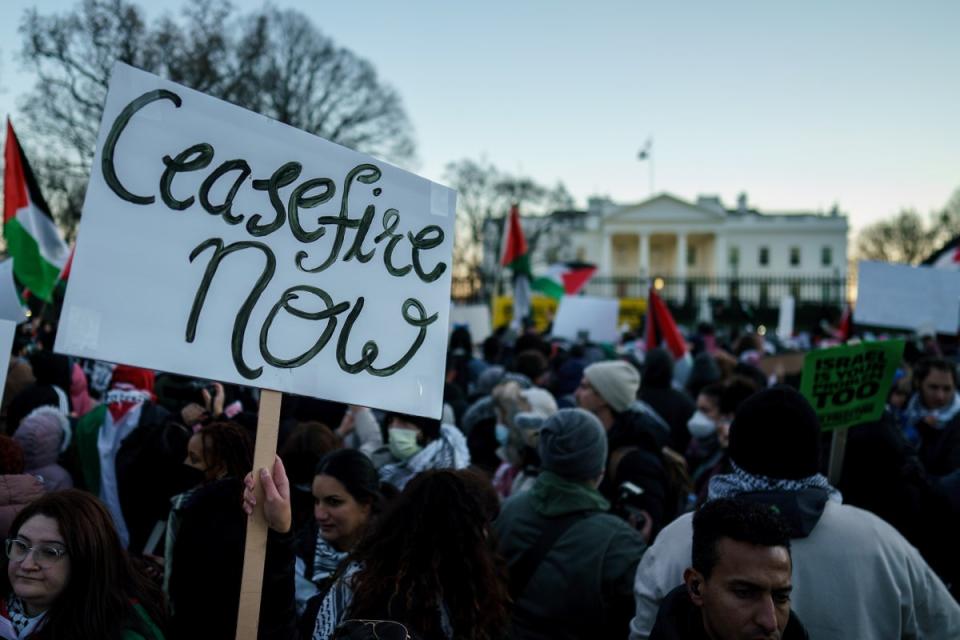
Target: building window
x=826 y=256
x=764 y=258
x=733 y=257
x=794 y=256
x=691 y=256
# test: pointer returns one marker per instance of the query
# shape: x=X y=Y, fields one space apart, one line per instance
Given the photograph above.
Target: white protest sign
x=475 y=317
x=904 y=297
x=221 y=244
x=596 y=318
x=787 y=312
x=8 y=330
x=10 y=306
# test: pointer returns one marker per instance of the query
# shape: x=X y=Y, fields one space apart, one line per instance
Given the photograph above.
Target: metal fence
x=761 y=292
x=732 y=299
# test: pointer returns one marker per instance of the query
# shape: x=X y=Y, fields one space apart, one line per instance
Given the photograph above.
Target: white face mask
x=403 y=443
x=502 y=433
x=700 y=425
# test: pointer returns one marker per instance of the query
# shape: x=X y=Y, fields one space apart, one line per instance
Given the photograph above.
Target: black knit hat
x=776 y=433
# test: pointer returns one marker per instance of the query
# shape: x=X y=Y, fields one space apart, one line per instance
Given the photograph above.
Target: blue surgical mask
x=502 y=433
x=700 y=425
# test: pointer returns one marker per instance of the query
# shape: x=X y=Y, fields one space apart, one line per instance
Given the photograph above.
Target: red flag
x=65 y=274
x=845 y=331
x=661 y=327
x=515 y=243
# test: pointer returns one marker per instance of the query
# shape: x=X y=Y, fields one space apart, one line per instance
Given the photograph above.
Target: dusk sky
x=801 y=105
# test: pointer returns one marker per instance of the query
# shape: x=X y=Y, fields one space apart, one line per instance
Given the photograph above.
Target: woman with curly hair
x=68 y=577
x=426 y=567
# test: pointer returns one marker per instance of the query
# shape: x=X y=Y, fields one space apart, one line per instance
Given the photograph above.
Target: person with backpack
x=571 y=564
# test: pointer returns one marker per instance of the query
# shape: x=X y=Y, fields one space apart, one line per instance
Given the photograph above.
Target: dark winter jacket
x=583 y=586
x=680 y=619
x=207 y=564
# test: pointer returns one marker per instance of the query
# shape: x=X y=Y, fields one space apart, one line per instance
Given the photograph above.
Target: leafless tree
x=903 y=238
x=485 y=196
x=275 y=62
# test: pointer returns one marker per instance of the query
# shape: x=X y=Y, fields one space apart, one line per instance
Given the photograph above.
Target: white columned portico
x=606 y=267
x=681 y=269
x=720 y=260
x=643 y=254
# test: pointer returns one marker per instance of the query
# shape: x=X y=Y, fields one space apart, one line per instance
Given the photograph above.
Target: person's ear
x=694 y=582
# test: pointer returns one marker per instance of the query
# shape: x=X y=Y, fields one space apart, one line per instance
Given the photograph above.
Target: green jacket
x=583 y=588
x=151 y=628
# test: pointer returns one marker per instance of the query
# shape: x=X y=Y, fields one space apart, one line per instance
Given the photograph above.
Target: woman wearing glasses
x=68 y=576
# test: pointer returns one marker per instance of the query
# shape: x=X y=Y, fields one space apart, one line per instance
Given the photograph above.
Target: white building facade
x=703 y=249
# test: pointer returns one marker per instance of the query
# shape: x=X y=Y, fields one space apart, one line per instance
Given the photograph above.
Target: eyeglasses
x=45 y=555
x=381 y=630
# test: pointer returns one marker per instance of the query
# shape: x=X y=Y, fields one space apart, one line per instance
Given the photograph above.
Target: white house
x=700 y=248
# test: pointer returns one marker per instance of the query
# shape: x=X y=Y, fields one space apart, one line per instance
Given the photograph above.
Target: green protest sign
x=848 y=385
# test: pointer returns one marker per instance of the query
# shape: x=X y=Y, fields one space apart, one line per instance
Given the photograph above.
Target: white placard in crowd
x=475 y=317
x=904 y=297
x=221 y=244
x=8 y=330
x=582 y=316
x=10 y=306
x=787 y=312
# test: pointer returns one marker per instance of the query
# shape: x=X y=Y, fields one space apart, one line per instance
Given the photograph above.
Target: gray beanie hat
x=573 y=445
x=616 y=382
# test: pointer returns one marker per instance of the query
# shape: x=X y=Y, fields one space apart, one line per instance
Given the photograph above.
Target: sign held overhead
x=220 y=244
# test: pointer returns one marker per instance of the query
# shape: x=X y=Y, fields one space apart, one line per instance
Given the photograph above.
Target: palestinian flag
x=33 y=240
x=516 y=255
x=661 y=328
x=564 y=278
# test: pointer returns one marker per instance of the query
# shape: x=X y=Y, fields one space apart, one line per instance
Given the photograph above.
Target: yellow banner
x=543 y=309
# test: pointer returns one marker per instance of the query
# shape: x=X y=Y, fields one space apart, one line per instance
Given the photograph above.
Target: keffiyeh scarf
x=916 y=412
x=449 y=451
x=733 y=484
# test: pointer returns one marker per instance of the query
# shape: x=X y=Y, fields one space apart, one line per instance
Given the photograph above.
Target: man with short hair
x=739 y=585
x=855 y=575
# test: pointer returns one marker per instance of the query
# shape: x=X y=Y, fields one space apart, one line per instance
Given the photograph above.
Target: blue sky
x=801 y=105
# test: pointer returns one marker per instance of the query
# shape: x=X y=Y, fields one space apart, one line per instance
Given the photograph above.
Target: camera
x=627 y=504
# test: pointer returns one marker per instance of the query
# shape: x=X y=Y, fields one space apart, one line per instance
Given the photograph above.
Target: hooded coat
x=854 y=576
x=675 y=407
x=581 y=589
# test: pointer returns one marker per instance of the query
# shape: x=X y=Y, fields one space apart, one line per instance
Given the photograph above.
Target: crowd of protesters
x=570 y=490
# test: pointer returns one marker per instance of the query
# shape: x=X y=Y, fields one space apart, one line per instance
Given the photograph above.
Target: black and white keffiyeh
x=326 y=560
x=449 y=451
x=733 y=484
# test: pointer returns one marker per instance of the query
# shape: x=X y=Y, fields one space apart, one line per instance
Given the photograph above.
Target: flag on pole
x=661 y=328
x=65 y=272
x=845 y=330
x=33 y=240
x=564 y=278
x=516 y=256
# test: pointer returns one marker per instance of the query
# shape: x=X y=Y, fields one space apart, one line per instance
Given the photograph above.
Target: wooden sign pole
x=255 y=551
x=838 y=446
